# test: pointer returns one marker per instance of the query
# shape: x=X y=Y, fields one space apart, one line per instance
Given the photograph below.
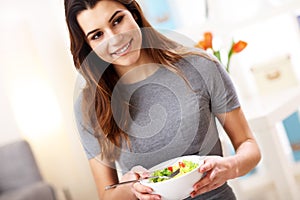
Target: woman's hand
x=217 y=171
x=140 y=191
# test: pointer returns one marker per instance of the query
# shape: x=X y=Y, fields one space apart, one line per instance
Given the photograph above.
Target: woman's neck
x=137 y=72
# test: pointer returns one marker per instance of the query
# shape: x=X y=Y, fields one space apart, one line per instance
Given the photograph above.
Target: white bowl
x=179 y=187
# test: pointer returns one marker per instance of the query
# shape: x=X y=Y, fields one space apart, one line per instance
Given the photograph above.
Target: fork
x=134 y=181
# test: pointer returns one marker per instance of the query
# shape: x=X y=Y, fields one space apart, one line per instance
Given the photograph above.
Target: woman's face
x=112 y=32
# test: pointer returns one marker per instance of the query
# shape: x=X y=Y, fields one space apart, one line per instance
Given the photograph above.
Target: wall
x=37 y=80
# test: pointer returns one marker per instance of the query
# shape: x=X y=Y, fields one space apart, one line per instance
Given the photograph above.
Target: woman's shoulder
x=78 y=102
x=85 y=130
x=79 y=108
x=200 y=60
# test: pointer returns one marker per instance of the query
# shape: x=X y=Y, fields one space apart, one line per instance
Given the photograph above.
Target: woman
x=148 y=99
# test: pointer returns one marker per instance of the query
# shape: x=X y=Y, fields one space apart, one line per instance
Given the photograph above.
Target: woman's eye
x=118 y=20
x=97 y=35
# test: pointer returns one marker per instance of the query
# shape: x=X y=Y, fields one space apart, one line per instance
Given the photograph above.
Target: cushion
x=18 y=166
x=36 y=191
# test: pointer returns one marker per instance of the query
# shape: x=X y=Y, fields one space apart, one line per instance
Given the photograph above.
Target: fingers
x=143 y=192
x=209 y=181
x=203 y=182
x=142 y=188
x=141 y=171
x=207 y=166
x=205 y=189
x=129 y=176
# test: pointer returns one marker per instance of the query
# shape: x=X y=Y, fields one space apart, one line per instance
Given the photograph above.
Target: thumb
x=141 y=171
x=129 y=176
x=206 y=166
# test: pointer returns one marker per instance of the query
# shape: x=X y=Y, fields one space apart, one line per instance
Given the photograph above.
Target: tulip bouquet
x=207 y=45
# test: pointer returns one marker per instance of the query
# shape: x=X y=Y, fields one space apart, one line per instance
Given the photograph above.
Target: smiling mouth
x=123 y=50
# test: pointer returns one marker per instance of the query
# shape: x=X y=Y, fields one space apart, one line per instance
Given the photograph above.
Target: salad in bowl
x=179 y=186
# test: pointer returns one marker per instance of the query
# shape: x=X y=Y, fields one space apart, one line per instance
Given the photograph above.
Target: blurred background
x=37 y=80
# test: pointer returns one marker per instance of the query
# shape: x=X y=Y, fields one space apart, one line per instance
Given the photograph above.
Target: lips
x=123 y=50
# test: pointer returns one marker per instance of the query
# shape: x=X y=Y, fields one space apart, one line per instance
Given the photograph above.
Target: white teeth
x=123 y=49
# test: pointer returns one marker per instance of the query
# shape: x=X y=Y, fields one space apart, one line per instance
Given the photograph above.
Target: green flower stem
x=218 y=55
x=228 y=62
x=229 y=57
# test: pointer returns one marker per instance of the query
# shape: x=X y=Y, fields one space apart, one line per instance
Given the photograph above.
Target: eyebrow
x=111 y=18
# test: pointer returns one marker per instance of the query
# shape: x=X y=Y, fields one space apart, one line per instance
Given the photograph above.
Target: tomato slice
x=170 y=168
x=181 y=164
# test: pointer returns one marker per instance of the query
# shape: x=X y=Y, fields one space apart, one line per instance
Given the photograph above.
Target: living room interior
x=38 y=79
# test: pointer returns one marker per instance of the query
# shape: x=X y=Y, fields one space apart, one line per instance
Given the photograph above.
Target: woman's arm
x=220 y=169
x=106 y=174
x=247 y=151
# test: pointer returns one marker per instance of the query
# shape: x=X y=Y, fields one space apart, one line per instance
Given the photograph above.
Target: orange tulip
x=206 y=43
x=208 y=37
x=201 y=44
x=239 y=46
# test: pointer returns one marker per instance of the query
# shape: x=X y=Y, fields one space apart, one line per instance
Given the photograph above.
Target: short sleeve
x=88 y=141
x=219 y=86
x=222 y=91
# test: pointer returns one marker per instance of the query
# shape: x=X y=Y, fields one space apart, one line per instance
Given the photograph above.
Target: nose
x=114 y=38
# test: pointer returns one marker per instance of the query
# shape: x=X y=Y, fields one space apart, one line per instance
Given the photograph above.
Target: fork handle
x=121 y=183
x=133 y=181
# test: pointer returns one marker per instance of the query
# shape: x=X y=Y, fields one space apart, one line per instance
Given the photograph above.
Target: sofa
x=20 y=178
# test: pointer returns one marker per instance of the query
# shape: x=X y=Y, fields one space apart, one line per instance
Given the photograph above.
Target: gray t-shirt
x=169 y=118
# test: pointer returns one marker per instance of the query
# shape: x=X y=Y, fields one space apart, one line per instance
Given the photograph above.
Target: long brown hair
x=96 y=102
